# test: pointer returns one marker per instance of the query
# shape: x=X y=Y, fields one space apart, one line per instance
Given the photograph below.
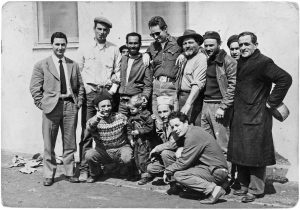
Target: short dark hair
x=122 y=48
x=157 y=20
x=58 y=35
x=182 y=117
x=134 y=34
x=252 y=35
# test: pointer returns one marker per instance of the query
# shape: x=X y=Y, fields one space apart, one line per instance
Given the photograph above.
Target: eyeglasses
x=155 y=34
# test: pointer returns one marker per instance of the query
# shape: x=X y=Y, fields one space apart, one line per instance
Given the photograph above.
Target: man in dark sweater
x=219 y=90
x=135 y=77
x=202 y=166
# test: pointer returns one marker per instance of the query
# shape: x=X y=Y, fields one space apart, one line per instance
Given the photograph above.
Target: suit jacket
x=45 y=84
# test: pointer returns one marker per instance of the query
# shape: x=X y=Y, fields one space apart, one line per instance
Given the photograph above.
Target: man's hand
x=220 y=113
x=146 y=59
x=99 y=116
x=178 y=152
x=165 y=178
x=180 y=59
x=152 y=152
x=145 y=101
x=79 y=104
x=135 y=132
x=186 y=108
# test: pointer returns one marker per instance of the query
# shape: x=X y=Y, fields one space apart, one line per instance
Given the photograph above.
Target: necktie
x=63 y=85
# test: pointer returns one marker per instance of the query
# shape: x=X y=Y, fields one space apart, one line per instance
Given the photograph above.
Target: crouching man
x=202 y=166
x=109 y=130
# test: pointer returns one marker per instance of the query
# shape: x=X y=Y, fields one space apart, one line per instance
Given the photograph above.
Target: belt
x=165 y=79
x=99 y=86
x=70 y=99
x=213 y=101
x=184 y=91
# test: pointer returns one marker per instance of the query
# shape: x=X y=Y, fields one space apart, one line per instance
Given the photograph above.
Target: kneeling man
x=109 y=130
x=202 y=166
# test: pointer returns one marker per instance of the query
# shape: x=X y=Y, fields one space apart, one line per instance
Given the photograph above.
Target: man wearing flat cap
x=233 y=46
x=192 y=75
x=110 y=135
x=219 y=91
x=99 y=62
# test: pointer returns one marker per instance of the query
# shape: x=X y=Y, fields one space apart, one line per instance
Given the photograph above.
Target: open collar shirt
x=100 y=65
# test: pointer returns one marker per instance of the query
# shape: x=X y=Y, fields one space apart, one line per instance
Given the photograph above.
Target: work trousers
x=158 y=166
x=163 y=89
x=201 y=179
x=100 y=156
x=219 y=129
x=194 y=114
x=142 y=150
x=63 y=116
x=252 y=179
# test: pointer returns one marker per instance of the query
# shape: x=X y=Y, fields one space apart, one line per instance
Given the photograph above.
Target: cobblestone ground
x=26 y=190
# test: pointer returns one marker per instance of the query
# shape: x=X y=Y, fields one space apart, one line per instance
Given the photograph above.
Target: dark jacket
x=140 y=78
x=251 y=142
x=226 y=77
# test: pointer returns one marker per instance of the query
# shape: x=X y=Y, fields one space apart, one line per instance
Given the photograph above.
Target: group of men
x=212 y=111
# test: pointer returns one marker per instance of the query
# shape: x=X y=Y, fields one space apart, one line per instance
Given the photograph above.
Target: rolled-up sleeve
x=198 y=76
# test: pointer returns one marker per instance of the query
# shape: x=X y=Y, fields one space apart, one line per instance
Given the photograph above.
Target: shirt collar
x=96 y=44
x=56 y=59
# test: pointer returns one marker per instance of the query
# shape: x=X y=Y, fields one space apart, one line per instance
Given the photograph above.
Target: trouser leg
x=243 y=177
x=68 y=128
x=50 y=126
x=196 y=178
x=168 y=157
x=257 y=180
x=88 y=111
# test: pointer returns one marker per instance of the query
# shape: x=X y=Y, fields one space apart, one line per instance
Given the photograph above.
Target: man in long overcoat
x=251 y=144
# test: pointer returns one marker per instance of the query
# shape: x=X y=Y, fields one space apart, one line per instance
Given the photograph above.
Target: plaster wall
x=275 y=23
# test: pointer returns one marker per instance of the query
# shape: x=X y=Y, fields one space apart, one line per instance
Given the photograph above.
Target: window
x=57 y=16
x=174 y=14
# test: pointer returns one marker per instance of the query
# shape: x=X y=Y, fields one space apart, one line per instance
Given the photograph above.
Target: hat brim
x=198 y=38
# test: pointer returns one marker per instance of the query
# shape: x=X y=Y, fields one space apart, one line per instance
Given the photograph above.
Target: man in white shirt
x=57 y=89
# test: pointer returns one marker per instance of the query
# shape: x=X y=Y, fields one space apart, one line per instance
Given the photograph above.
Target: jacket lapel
x=52 y=68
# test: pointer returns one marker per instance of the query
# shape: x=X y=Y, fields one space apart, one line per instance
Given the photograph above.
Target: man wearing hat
x=192 y=75
x=233 y=46
x=251 y=145
x=219 y=90
x=99 y=62
x=110 y=135
x=168 y=147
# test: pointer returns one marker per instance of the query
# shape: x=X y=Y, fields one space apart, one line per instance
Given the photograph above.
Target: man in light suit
x=57 y=89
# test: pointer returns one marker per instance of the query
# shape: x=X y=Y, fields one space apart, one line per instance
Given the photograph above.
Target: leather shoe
x=48 y=181
x=217 y=193
x=72 y=179
x=250 y=197
x=240 y=192
x=174 y=189
x=145 y=180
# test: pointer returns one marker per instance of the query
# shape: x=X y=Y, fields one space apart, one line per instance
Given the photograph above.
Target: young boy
x=140 y=129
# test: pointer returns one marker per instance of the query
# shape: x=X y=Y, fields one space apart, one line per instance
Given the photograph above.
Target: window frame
x=146 y=41
x=47 y=45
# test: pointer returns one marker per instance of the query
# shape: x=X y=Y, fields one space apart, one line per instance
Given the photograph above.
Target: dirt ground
x=26 y=190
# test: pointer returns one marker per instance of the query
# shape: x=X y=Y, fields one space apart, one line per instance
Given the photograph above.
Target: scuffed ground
x=26 y=190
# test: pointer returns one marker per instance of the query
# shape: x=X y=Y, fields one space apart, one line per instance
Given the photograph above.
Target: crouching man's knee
x=90 y=155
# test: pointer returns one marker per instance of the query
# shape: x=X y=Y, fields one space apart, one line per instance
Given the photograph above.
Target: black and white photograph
x=150 y=104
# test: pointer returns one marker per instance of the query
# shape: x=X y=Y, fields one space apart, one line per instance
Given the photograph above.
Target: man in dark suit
x=57 y=89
